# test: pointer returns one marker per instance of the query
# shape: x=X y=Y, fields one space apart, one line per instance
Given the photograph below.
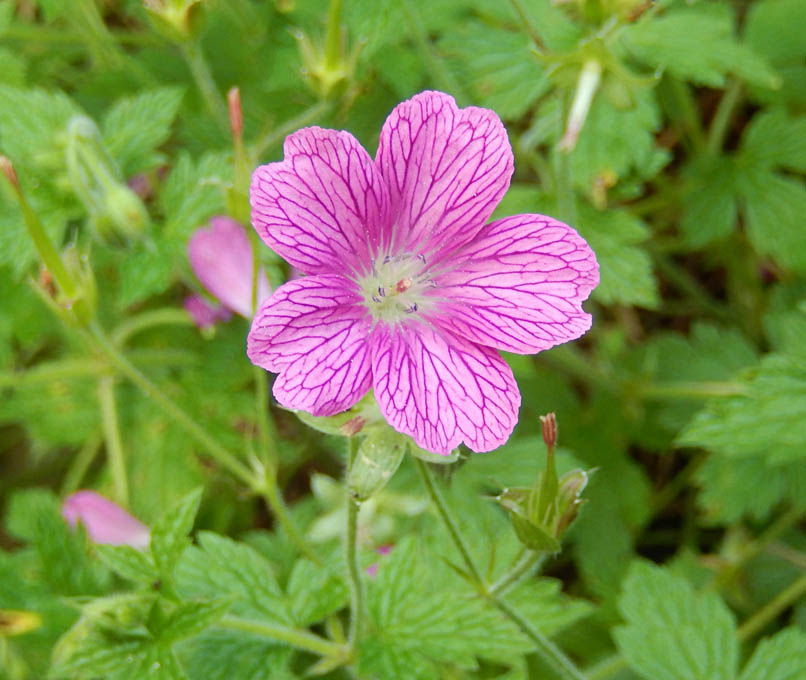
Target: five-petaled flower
x=408 y=290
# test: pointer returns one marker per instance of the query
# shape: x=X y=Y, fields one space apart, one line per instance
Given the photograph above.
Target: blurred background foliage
x=671 y=134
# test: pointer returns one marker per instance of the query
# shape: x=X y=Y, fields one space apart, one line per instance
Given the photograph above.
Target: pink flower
x=104 y=521
x=408 y=290
x=221 y=258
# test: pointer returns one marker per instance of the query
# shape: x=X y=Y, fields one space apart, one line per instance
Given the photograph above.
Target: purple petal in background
x=204 y=315
x=441 y=389
x=104 y=521
x=446 y=168
x=323 y=207
x=314 y=332
x=518 y=286
x=221 y=258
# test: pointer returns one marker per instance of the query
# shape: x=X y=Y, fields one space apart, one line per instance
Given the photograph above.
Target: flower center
x=394 y=288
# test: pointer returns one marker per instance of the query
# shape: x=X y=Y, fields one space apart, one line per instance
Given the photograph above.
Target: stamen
x=411 y=309
x=381 y=291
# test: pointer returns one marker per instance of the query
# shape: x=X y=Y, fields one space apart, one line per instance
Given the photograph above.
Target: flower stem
x=530 y=562
x=547 y=650
x=769 y=611
x=153 y=317
x=274 y=499
x=200 y=70
x=721 y=120
x=226 y=459
x=112 y=440
x=79 y=465
x=351 y=552
x=277 y=135
x=529 y=26
x=453 y=529
x=299 y=639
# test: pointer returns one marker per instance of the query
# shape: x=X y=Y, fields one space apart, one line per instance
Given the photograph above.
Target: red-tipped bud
x=7 y=168
x=235 y=111
x=549 y=424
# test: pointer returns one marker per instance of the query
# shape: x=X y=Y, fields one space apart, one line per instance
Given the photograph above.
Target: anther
x=411 y=309
x=381 y=291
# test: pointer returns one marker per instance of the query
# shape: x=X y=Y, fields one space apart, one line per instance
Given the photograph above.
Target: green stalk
x=308 y=116
x=80 y=464
x=547 y=650
x=200 y=70
x=351 y=552
x=333 y=40
x=723 y=116
x=299 y=639
x=113 y=442
x=217 y=452
x=530 y=563
x=772 y=609
x=153 y=317
x=529 y=26
x=453 y=528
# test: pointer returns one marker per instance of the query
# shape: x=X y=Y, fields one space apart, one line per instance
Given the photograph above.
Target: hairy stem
x=299 y=639
x=112 y=439
x=153 y=317
x=351 y=552
x=530 y=563
x=528 y=25
x=723 y=116
x=79 y=465
x=333 y=39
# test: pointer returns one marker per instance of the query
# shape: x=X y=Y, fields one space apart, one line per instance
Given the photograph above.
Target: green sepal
x=378 y=457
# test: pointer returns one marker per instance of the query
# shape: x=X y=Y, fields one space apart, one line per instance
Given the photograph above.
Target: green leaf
x=128 y=563
x=709 y=209
x=774 y=207
x=724 y=481
x=315 y=592
x=625 y=268
x=232 y=655
x=193 y=192
x=778 y=658
x=768 y=419
x=775 y=139
x=542 y=603
x=149 y=269
x=773 y=28
x=135 y=127
x=169 y=535
x=672 y=632
x=499 y=67
x=221 y=567
x=677 y=43
x=191 y=618
x=416 y=620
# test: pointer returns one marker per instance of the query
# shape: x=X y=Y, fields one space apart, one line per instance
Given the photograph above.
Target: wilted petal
x=518 y=286
x=221 y=258
x=446 y=168
x=314 y=332
x=441 y=389
x=104 y=521
x=323 y=207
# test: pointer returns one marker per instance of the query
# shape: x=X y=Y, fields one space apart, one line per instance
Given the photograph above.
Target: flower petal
x=323 y=207
x=314 y=332
x=104 y=521
x=446 y=168
x=518 y=286
x=441 y=389
x=221 y=258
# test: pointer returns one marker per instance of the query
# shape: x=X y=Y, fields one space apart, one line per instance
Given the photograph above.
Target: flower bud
x=15 y=622
x=204 y=315
x=104 y=521
x=379 y=455
x=177 y=20
x=221 y=257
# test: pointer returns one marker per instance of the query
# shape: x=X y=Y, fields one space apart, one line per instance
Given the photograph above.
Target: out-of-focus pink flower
x=372 y=569
x=104 y=521
x=221 y=258
x=203 y=313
